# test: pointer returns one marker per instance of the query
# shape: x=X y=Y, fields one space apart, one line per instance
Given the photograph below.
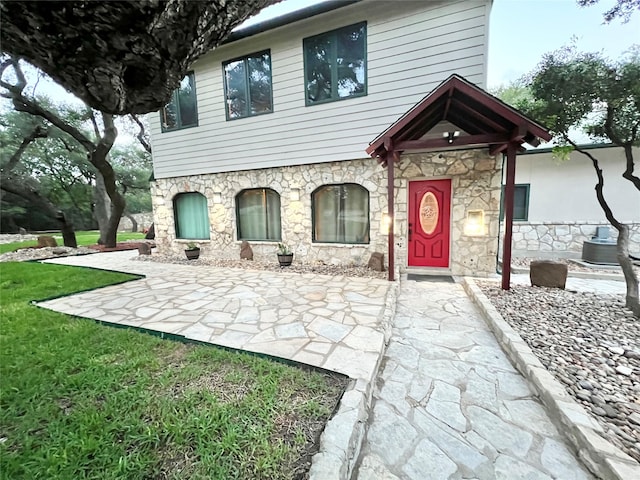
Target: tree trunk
x=117 y=207
x=68 y=235
x=134 y=222
x=102 y=207
x=632 y=301
x=99 y=160
x=622 y=250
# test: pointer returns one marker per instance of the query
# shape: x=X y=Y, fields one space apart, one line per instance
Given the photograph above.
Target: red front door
x=429 y=227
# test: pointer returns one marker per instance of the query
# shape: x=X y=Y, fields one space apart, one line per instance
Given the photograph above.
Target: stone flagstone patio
x=324 y=321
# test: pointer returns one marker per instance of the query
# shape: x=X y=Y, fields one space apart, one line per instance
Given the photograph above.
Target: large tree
x=120 y=56
x=38 y=159
x=24 y=188
x=97 y=146
x=585 y=90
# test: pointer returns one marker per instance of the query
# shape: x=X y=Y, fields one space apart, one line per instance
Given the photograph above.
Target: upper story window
x=181 y=111
x=258 y=214
x=520 y=202
x=340 y=214
x=335 y=64
x=247 y=85
x=191 y=216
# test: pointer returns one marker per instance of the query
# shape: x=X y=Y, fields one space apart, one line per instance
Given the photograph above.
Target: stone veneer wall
x=144 y=221
x=475 y=185
x=563 y=239
x=294 y=185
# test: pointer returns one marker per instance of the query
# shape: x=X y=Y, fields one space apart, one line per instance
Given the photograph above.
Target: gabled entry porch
x=448 y=185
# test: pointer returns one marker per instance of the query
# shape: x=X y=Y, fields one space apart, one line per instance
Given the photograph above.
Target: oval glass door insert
x=429 y=213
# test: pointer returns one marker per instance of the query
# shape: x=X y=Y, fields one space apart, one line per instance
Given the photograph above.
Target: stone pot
x=285 y=259
x=192 y=254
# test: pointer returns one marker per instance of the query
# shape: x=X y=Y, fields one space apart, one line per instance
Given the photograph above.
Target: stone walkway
x=449 y=405
x=320 y=320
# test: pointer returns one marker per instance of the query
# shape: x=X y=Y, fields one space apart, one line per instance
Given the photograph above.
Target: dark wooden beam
x=447 y=105
x=500 y=108
x=496 y=149
x=391 y=160
x=532 y=140
x=462 y=141
x=519 y=133
x=471 y=113
x=508 y=215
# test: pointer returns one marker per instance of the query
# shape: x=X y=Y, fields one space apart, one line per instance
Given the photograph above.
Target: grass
x=81 y=400
x=84 y=238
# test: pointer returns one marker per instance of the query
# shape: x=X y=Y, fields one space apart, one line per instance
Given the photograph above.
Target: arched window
x=191 y=216
x=340 y=214
x=258 y=214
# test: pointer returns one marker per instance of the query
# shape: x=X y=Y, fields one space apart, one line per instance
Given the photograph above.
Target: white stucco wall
x=563 y=208
x=564 y=191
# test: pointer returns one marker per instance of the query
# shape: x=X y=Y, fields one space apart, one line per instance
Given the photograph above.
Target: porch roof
x=478 y=118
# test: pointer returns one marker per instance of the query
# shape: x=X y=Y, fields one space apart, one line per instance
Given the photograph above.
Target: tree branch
x=628 y=173
x=599 y=186
x=141 y=134
x=38 y=132
x=627 y=145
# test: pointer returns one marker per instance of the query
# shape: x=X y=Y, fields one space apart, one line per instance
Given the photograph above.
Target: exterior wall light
x=295 y=194
x=217 y=197
x=385 y=223
x=451 y=135
x=474 y=225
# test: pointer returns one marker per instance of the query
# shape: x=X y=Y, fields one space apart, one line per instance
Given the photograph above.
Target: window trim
x=264 y=190
x=175 y=98
x=176 y=229
x=313 y=214
x=527 y=187
x=334 y=71
x=246 y=84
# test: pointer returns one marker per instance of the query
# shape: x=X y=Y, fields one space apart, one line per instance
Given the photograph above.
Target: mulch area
x=120 y=246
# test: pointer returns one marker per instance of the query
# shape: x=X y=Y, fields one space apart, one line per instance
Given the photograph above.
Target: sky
x=521 y=31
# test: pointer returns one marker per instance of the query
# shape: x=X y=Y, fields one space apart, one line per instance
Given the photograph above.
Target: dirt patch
x=218 y=383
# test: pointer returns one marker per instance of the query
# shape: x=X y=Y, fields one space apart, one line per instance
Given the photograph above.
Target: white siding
x=564 y=191
x=411 y=48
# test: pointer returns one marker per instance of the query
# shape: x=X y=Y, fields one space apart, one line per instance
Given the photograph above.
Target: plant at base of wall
x=285 y=255
x=192 y=251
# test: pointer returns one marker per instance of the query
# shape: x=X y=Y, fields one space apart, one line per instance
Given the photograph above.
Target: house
x=556 y=208
x=286 y=133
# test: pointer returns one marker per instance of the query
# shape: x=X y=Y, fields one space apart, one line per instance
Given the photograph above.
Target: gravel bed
x=295 y=267
x=16 y=237
x=590 y=343
x=26 y=254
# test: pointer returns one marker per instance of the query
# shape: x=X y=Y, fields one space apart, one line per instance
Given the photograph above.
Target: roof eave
x=287 y=19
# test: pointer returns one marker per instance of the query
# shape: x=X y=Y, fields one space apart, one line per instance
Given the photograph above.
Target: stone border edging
x=601 y=457
x=342 y=437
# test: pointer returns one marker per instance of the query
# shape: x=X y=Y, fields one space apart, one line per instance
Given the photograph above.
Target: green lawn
x=83 y=237
x=81 y=400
